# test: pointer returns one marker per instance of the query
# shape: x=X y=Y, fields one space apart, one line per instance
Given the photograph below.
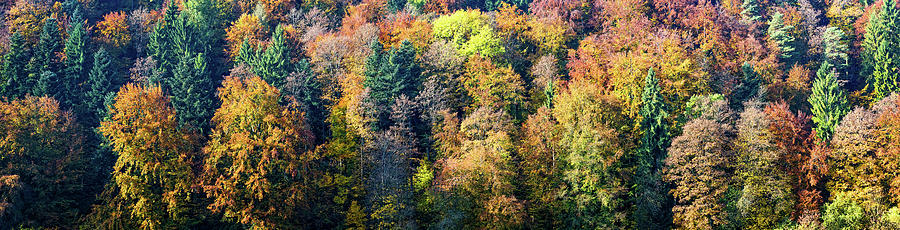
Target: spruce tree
x=102 y=81
x=76 y=67
x=12 y=74
x=650 y=196
x=748 y=88
x=274 y=64
x=751 y=10
x=45 y=57
x=881 y=53
x=388 y=77
x=779 y=33
x=828 y=103
x=193 y=92
x=835 y=48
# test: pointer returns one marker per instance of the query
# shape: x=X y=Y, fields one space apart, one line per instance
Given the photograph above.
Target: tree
x=76 y=66
x=747 y=89
x=835 y=51
x=843 y=213
x=593 y=148
x=470 y=33
x=827 y=103
x=766 y=198
x=153 y=171
x=273 y=64
x=481 y=170
x=257 y=156
x=14 y=82
x=751 y=11
x=541 y=165
x=192 y=91
x=102 y=81
x=650 y=197
x=390 y=75
x=779 y=34
x=881 y=45
x=46 y=56
x=494 y=86
x=698 y=165
x=41 y=149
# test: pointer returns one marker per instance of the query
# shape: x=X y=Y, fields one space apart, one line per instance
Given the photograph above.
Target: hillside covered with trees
x=449 y=114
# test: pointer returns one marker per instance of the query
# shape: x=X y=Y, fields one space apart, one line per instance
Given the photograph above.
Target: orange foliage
x=26 y=17
x=247 y=27
x=113 y=29
x=365 y=12
x=401 y=26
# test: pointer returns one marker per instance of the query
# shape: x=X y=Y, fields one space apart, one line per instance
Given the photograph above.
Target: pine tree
x=827 y=102
x=73 y=75
x=650 y=192
x=12 y=75
x=101 y=80
x=779 y=33
x=882 y=50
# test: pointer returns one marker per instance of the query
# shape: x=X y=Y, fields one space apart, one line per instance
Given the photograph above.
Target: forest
x=449 y=114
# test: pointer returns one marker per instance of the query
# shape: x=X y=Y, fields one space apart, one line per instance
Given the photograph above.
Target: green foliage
x=780 y=34
x=45 y=58
x=751 y=10
x=747 y=89
x=390 y=75
x=649 y=193
x=882 y=50
x=102 y=81
x=273 y=65
x=470 y=33
x=843 y=214
x=13 y=81
x=835 y=49
x=192 y=91
x=76 y=66
x=827 y=102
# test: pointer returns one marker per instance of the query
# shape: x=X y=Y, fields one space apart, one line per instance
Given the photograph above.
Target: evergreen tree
x=882 y=50
x=303 y=87
x=827 y=102
x=274 y=64
x=76 y=66
x=748 y=88
x=835 y=49
x=45 y=57
x=192 y=91
x=779 y=33
x=102 y=81
x=388 y=77
x=751 y=10
x=12 y=75
x=47 y=84
x=650 y=192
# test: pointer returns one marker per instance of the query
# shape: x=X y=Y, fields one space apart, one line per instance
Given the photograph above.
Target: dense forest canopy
x=449 y=114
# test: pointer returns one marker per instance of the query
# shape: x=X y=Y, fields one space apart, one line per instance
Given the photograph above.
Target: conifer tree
x=748 y=88
x=101 y=80
x=45 y=57
x=835 y=49
x=192 y=91
x=751 y=10
x=827 y=102
x=391 y=76
x=779 y=33
x=76 y=66
x=881 y=53
x=12 y=75
x=650 y=192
